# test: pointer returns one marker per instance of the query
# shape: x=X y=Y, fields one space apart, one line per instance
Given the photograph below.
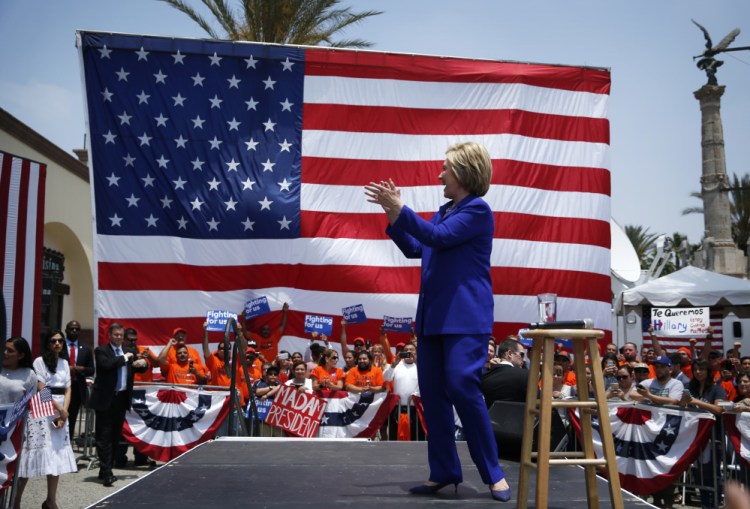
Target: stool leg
x=592 y=491
x=605 y=427
x=528 y=425
x=545 y=425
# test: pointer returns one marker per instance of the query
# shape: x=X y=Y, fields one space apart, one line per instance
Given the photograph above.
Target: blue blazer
x=456 y=289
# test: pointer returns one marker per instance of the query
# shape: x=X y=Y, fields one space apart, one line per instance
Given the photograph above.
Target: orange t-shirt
x=178 y=374
x=268 y=346
x=322 y=374
x=730 y=389
x=374 y=377
x=688 y=370
x=148 y=375
x=192 y=353
x=219 y=376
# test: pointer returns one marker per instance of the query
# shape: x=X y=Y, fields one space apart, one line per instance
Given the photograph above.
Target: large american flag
x=22 y=187
x=223 y=171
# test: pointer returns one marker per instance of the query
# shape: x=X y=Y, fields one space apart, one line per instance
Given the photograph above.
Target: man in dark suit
x=115 y=365
x=81 y=360
x=506 y=381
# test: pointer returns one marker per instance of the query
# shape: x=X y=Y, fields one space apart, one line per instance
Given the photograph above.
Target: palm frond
x=185 y=8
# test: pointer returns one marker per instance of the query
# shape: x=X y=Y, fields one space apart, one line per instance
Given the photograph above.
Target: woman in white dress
x=46 y=449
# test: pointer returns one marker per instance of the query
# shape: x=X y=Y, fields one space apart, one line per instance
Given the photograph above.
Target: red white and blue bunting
x=653 y=445
x=737 y=428
x=350 y=415
x=10 y=444
x=165 y=422
x=11 y=416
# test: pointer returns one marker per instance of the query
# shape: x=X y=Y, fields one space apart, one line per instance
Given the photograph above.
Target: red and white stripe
x=372 y=116
x=22 y=187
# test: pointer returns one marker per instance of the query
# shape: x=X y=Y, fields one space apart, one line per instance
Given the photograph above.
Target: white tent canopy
x=690 y=286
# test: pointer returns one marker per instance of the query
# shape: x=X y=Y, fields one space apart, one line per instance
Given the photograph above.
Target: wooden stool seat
x=542 y=360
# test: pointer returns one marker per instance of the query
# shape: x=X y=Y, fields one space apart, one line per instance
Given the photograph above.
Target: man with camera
x=403 y=373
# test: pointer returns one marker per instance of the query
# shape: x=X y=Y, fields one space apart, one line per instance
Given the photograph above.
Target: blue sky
x=655 y=120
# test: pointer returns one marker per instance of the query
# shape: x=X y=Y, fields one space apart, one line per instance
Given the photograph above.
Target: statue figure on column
x=707 y=62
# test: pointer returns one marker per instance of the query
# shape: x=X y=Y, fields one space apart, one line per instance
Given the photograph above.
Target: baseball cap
x=685 y=350
x=400 y=345
x=640 y=365
x=361 y=341
x=562 y=355
x=178 y=329
x=250 y=349
x=663 y=359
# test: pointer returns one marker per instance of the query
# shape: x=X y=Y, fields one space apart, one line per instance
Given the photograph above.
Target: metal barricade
x=735 y=468
x=702 y=483
x=389 y=430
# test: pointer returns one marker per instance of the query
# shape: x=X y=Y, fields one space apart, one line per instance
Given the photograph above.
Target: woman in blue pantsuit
x=454 y=312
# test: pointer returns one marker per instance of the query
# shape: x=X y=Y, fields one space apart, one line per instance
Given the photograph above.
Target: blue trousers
x=448 y=368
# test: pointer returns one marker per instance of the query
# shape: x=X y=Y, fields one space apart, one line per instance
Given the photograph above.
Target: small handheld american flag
x=41 y=404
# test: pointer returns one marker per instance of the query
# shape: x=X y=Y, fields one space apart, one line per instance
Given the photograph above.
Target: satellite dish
x=624 y=260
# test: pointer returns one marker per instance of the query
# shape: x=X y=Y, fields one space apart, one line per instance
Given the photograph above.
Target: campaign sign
x=263 y=406
x=297 y=413
x=319 y=324
x=354 y=314
x=256 y=307
x=672 y=322
x=527 y=342
x=398 y=324
x=217 y=320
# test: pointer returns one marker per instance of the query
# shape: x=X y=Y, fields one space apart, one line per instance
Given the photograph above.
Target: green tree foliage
x=305 y=22
x=739 y=209
x=643 y=242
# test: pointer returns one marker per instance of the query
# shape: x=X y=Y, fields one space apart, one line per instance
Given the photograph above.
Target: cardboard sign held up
x=297 y=413
x=217 y=320
x=397 y=324
x=256 y=307
x=354 y=314
x=319 y=324
x=689 y=322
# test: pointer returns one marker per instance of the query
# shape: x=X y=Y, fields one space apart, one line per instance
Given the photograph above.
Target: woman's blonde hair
x=472 y=166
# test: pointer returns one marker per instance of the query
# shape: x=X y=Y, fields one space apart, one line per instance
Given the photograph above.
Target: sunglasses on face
x=53 y=341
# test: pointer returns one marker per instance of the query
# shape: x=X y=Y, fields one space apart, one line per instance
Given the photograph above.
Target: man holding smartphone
x=662 y=390
x=403 y=373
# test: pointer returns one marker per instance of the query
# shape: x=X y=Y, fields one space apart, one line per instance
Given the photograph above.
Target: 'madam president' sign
x=298 y=413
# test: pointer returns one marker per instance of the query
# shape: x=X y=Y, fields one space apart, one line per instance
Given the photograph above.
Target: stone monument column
x=726 y=258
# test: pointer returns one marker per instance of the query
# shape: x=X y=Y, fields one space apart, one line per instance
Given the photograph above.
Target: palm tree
x=306 y=22
x=643 y=242
x=682 y=256
x=694 y=210
x=739 y=209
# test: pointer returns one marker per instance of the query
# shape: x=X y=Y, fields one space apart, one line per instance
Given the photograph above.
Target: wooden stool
x=544 y=350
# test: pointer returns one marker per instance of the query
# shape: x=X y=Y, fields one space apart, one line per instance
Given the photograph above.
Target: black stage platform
x=289 y=473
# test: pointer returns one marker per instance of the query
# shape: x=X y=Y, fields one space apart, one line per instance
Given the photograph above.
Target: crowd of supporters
x=698 y=377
